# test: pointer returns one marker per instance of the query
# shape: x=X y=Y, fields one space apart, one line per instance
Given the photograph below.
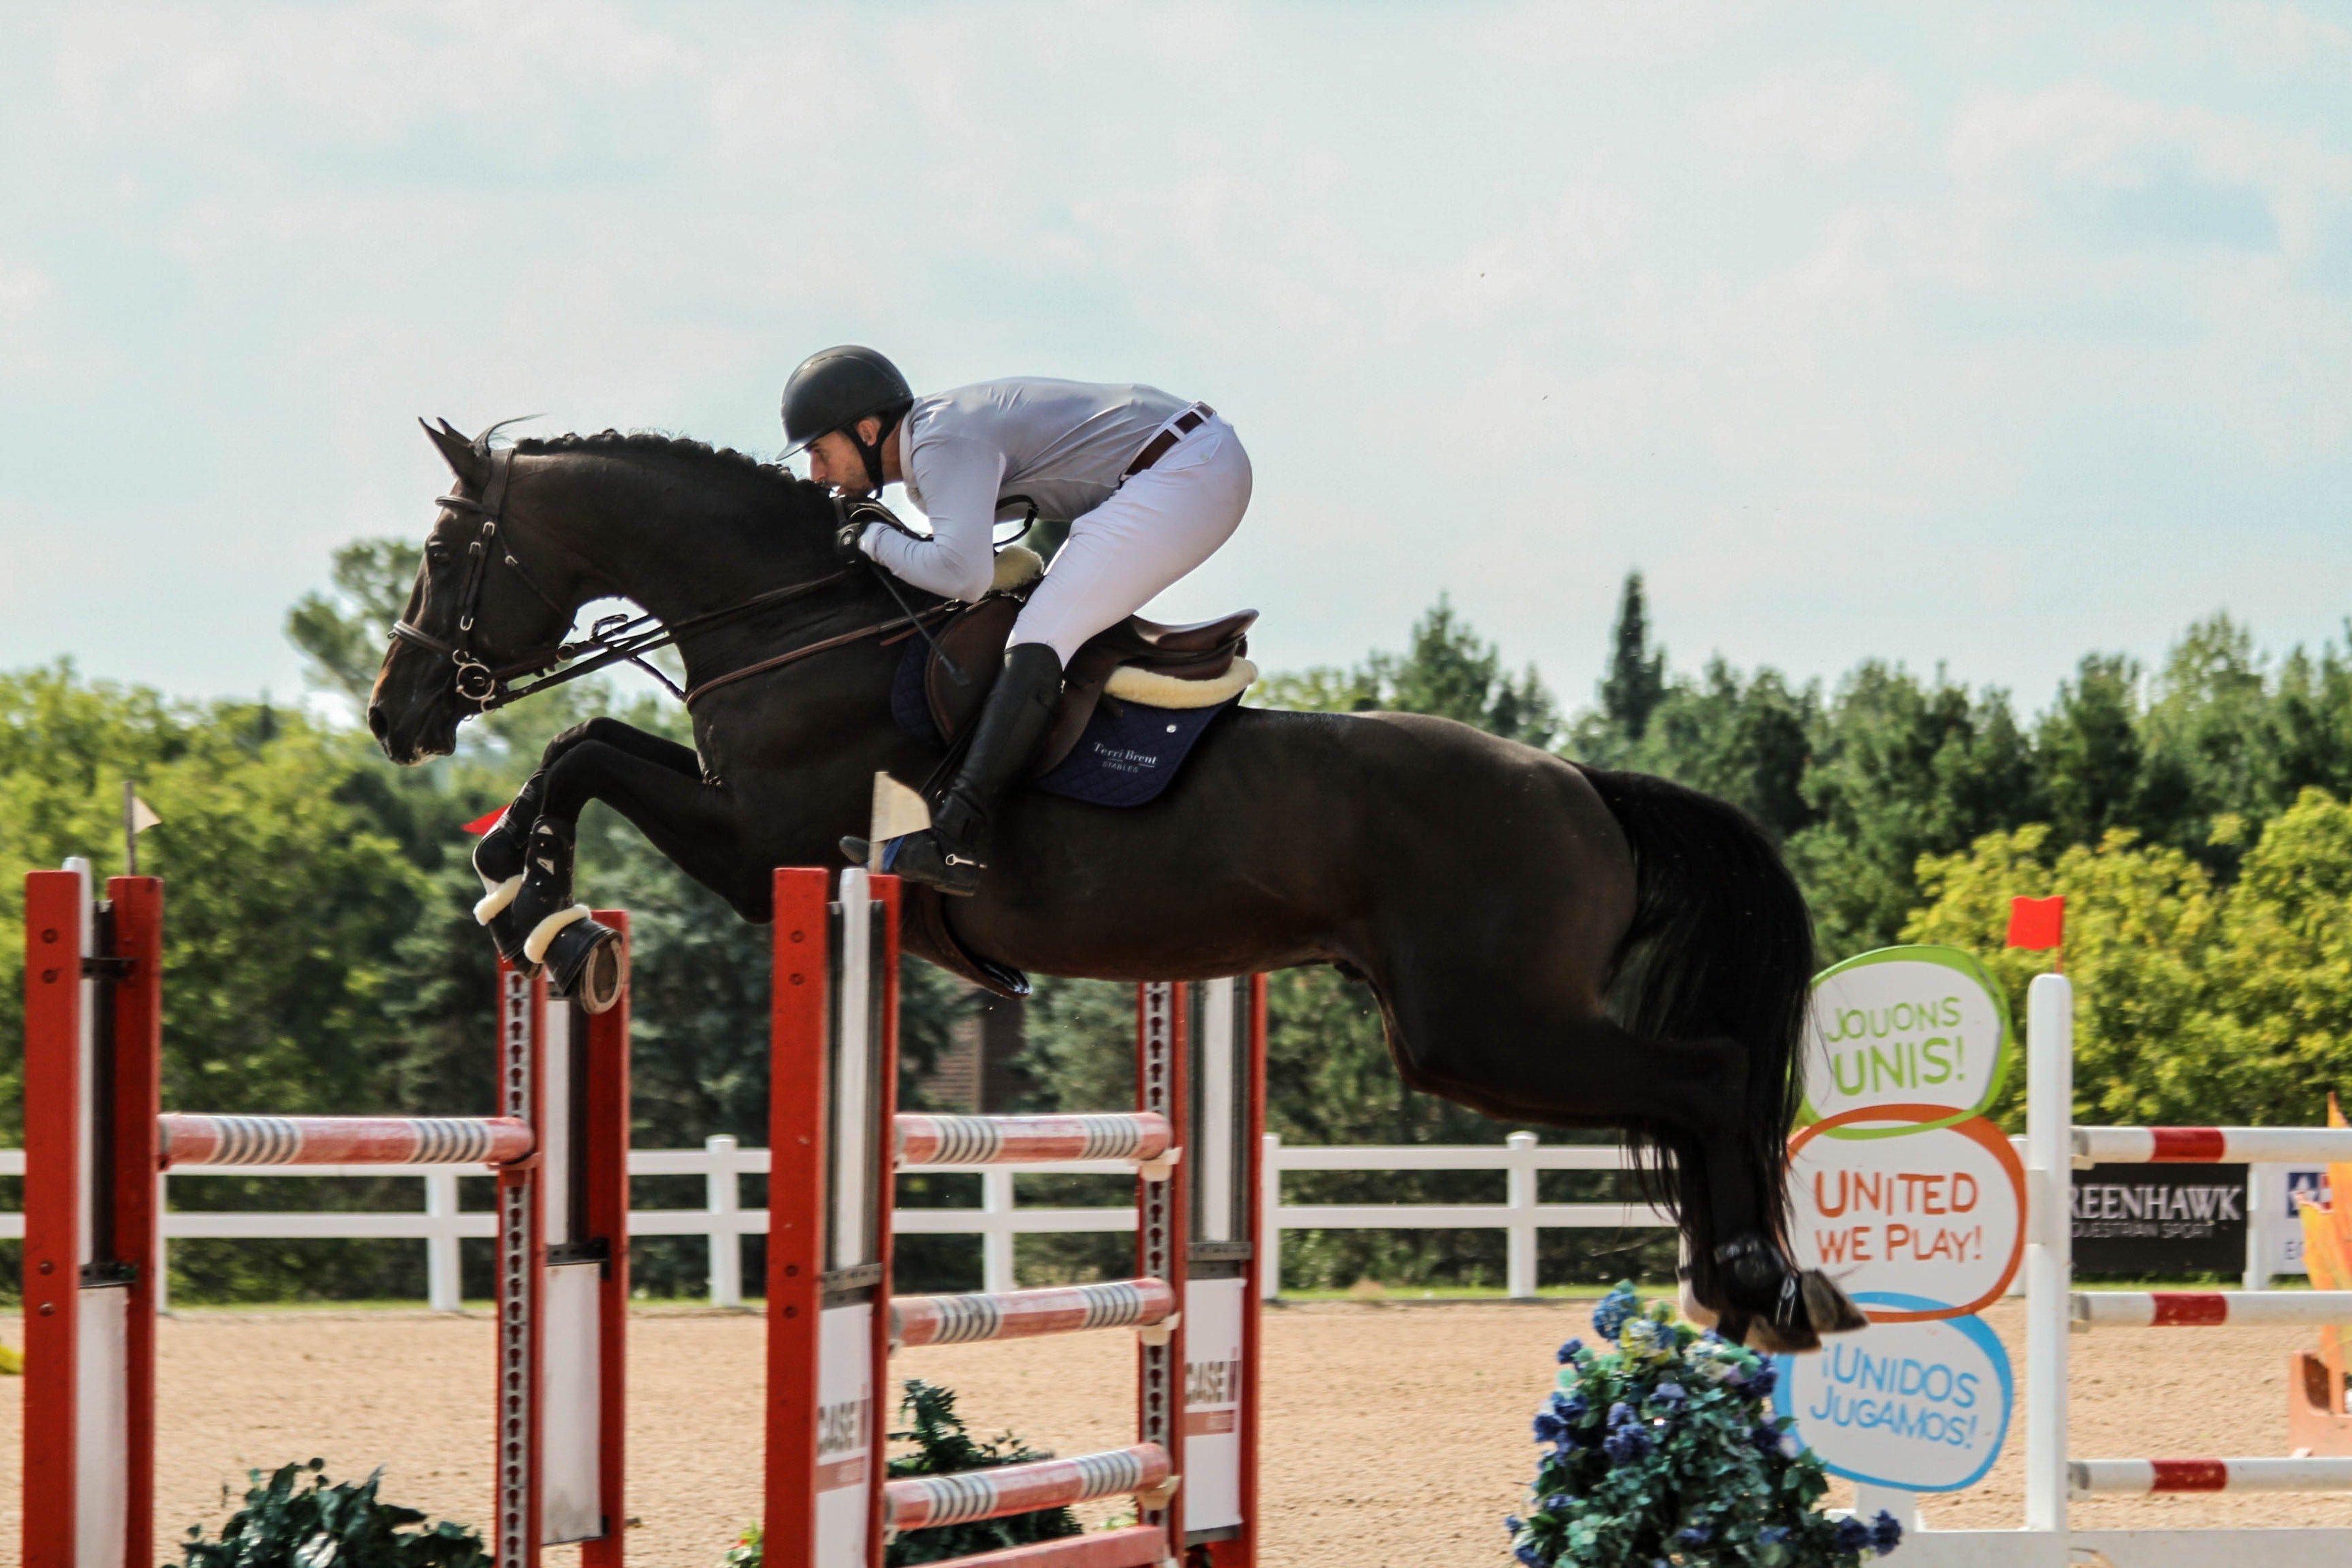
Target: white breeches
x=1155 y=527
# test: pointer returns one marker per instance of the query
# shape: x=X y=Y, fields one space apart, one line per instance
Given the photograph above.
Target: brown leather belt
x=1175 y=430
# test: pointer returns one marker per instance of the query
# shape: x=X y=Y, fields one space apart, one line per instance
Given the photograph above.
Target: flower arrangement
x=1662 y=1453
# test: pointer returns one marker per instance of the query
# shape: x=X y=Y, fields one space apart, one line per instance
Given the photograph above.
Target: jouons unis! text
x=1874 y=1050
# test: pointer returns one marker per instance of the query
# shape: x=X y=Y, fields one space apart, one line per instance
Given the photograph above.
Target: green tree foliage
x=2196 y=1000
x=1636 y=681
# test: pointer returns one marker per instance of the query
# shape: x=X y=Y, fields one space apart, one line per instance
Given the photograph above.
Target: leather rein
x=613 y=639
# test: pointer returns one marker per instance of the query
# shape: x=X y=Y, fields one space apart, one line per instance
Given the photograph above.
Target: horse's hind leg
x=1685 y=1099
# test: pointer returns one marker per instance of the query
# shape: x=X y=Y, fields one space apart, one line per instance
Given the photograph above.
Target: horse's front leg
x=693 y=823
x=498 y=857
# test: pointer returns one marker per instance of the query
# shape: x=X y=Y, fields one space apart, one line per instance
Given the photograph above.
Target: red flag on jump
x=485 y=822
x=2038 y=924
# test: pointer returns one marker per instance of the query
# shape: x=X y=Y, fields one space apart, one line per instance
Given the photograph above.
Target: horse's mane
x=779 y=483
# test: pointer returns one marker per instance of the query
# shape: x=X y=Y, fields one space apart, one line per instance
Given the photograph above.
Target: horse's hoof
x=587 y=962
x=1827 y=1307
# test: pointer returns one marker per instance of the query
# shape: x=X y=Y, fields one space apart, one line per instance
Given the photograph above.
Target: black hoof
x=587 y=963
x=856 y=850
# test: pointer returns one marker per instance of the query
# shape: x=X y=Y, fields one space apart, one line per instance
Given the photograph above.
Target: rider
x=1150 y=484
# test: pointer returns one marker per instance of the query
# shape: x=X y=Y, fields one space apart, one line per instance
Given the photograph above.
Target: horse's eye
x=437 y=553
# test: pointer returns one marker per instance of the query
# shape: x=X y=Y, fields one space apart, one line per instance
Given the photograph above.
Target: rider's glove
x=844 y=541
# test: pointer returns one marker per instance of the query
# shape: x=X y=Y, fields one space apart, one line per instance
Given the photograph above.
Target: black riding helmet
x=833 y=389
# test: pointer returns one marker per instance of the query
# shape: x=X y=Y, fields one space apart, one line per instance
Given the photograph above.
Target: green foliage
x=1661 y=1450
x=296 y=1520
x=2197 y=1000
x=1636 y=681
x=340 y=635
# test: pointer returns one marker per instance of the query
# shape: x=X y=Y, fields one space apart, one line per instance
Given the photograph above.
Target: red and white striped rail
x=920 y=1502
x=928 y=1140
x=2211 y=1145
x=1136 y=1546
x=1025 y=1314
x=2210 y=1309
x=2143 y=1477
x=194 y=1138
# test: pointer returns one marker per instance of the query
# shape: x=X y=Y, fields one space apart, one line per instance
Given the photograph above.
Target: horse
x=1548 y=943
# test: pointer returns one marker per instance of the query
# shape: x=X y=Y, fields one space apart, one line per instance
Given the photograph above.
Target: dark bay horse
x=1550 y=944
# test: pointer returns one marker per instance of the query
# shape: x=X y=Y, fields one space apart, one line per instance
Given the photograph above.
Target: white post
x=723 y=1198
x=1269 y=1218
x=444 y=1285
x=162 y=1243
x=2049 y=1257
x=1519 y=1258
x=996 y=1237
x=2265 y=1192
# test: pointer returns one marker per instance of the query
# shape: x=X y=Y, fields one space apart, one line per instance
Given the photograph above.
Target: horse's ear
x=466 y=460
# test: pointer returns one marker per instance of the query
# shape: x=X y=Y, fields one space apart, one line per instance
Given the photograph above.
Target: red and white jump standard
x=835 y=1142
x=95 y=1143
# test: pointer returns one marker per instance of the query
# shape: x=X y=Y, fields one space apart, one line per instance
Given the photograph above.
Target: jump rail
x=96 y=1143
x=1194 y=1141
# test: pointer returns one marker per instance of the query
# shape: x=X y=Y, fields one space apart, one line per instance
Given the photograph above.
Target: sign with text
x=1908 y=1025
x=1911 y=1402
x=1935 y=1216
x=2161 y=1220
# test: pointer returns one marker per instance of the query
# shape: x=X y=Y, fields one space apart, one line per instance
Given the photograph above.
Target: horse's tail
x=1721 y=946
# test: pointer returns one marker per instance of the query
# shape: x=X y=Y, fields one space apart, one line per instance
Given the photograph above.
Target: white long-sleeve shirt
x=978 y=453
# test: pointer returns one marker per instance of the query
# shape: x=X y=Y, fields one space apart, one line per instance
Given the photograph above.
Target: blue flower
x=1551 y=1428
x=1570 y=1351
x=1764 y=1380
x=1615 y=1308
x=1853 y=1535
x=1559 y=1502
x=1626 y=1445
x=1886 y=1533
x=1695 y=1535
x=1571 y=1407
x=1669 y=1393
x=1532 y=1556
x=1514 y=1523
x=1772 y=1535
x=1767 y=1437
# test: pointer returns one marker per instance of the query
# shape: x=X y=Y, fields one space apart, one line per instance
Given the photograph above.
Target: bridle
x=615 y=638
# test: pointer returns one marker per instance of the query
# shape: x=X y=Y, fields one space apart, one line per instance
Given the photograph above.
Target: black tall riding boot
x=952 y=852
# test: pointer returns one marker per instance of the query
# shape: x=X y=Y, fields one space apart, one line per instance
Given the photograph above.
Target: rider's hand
x=844 y=541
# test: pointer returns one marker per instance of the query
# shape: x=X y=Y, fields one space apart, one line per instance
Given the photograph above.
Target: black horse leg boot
x=951 y=854
x=498 y=862
x=582 y=957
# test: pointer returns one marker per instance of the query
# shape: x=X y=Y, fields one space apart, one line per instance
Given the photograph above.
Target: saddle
x=1136 y=661
x=1141 y=661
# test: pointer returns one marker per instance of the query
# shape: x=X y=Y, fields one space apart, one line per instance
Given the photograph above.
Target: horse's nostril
x=377 y=723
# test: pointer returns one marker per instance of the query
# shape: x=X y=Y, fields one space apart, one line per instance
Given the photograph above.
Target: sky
x=1979 y=336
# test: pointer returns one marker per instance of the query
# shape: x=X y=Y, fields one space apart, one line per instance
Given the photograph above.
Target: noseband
x=613 y=639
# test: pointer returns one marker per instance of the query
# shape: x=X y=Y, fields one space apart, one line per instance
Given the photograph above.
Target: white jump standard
x=2054 y=1149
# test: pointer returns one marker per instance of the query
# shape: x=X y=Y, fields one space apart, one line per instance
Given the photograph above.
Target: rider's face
x=834 y=460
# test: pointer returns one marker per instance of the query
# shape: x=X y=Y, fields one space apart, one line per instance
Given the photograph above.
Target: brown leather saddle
x=974 y=641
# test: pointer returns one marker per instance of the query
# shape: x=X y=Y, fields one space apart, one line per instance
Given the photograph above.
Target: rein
x=613 y=639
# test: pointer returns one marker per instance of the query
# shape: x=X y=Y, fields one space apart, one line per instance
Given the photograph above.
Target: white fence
x=723 y=1221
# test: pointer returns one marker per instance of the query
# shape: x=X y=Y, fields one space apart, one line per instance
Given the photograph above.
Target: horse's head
x=494 y=597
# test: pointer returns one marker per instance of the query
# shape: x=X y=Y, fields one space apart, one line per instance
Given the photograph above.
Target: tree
x=1636 y=681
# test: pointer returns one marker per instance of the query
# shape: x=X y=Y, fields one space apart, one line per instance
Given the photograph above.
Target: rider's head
x=840 y=407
